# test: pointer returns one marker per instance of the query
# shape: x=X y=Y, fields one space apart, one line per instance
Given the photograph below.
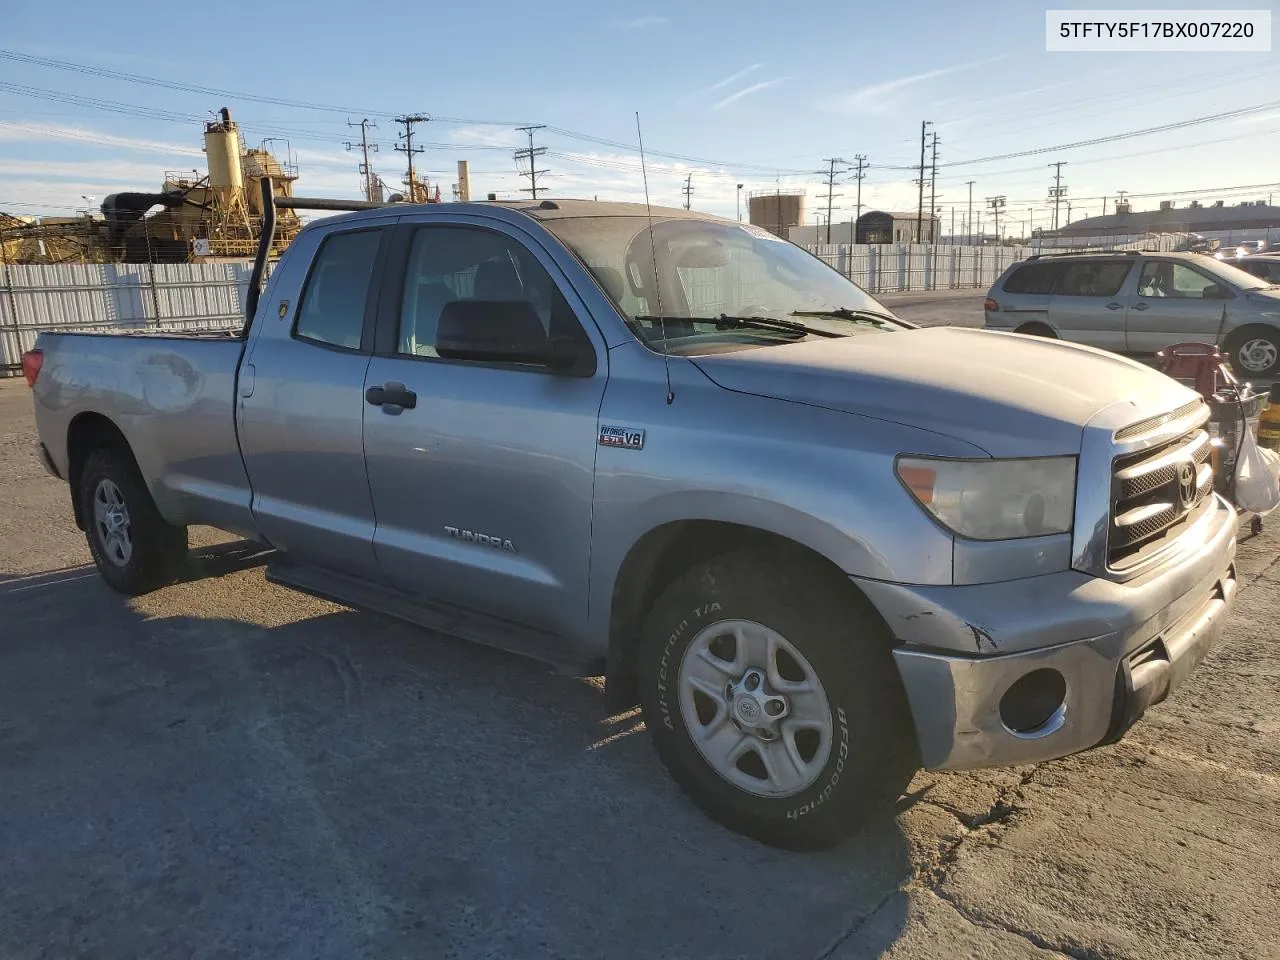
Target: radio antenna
x=653 y=252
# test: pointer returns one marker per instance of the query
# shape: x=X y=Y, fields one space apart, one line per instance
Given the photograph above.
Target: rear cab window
x=331 y=310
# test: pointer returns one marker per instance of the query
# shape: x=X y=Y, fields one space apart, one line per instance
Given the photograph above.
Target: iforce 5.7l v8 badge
x=630 y=438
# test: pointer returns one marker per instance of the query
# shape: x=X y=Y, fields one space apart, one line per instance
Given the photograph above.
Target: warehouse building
x=1240 y=221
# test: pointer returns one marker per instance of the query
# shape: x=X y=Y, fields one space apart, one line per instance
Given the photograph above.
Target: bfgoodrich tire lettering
x=870 y=753
x=155 y=549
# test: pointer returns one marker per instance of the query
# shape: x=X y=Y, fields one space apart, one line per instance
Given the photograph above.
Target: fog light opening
x=1035 y=705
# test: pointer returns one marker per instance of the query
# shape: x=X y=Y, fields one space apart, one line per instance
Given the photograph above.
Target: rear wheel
x=772 y=697
x=1037 y=330
x=134 y=548
x=1255 y=351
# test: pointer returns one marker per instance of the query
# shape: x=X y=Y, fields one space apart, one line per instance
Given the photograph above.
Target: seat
x=419 y=333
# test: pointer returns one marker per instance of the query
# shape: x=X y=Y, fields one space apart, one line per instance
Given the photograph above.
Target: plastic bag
x=1257 y=488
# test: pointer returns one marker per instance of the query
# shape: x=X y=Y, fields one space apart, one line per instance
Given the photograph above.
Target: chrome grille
x=1148 y=503
x=1145 y=426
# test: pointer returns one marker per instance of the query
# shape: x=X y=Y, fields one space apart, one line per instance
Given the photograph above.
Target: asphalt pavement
x=224 y=768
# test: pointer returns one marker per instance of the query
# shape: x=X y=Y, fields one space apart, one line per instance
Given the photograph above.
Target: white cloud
x=754 y=88
x=641 y=23
x=874 y=97
x=723 y=83
x=34 y=132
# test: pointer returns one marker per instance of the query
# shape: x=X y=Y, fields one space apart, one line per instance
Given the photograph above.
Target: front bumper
x=1119 y=647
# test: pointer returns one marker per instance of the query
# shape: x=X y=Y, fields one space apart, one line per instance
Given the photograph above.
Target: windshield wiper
x=725 y=322
x=844 y=313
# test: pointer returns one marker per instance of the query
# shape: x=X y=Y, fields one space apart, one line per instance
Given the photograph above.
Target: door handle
x=1141 y=306
x=1113 y=305
x=391 y=395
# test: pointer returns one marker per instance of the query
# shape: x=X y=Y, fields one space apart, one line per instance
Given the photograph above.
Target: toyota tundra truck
x=819 y=546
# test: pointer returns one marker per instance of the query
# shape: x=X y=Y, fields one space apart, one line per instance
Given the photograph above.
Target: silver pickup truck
x=820 y=547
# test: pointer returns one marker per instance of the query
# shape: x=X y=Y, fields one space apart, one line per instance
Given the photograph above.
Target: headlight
x=994 y=499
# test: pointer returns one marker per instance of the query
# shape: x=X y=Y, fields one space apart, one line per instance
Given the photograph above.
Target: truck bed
x=172 y=395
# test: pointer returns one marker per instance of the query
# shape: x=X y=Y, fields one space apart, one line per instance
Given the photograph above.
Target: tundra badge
x=629 y=438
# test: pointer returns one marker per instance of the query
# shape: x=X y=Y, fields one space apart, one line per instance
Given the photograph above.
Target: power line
x=531 y=154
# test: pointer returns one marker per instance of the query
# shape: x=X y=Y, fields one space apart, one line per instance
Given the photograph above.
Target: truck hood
x=1009 y=394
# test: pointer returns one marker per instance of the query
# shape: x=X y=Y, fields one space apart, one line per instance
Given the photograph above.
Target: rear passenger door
x=1090 y=300
x=301 y=405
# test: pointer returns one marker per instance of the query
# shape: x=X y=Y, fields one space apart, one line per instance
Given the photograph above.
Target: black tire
x=1037 y=330
x=158 y=549
x=873 y=749
x=1247 y=336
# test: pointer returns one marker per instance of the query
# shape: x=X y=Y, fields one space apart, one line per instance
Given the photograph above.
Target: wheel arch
x=87 y=432
x=1038 y=328
x=661 y=555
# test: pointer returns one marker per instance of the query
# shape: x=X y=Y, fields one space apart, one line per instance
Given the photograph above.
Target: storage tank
x=222 y=145
x=776 y=210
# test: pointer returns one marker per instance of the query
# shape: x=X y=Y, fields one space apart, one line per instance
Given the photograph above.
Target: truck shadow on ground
x=350 y=786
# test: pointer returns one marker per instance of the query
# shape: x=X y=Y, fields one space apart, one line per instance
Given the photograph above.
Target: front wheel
x=135 y=549
x=771 y=694
x=1255 y=352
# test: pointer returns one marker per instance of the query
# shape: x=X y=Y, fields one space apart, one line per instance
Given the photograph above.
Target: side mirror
x=507 y=331
x=1216 y=291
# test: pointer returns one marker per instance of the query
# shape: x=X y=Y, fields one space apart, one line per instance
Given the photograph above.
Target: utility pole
x=933 y=184
x=953 y=225
x=371 y=191
x=1104 y=206
x=687 y=190
x=831 y=187
x=924 y=126
x=861 y=159
x=996 y=204
x=531 y=154
x=1057 y=191
x=969 y=220
x=1031 y=221
x=408 y=149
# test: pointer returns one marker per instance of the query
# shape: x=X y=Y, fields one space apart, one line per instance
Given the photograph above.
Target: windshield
x=710 y=269
x=1241 y=279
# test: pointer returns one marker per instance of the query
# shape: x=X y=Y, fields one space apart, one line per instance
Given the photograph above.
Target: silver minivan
x=1138 y=303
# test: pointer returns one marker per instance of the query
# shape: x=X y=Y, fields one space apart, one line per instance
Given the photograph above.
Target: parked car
x=819 y=546
x=1264 y=266
x=1138 y=303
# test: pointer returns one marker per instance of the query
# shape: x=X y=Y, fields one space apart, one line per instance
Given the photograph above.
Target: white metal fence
x=116 y=296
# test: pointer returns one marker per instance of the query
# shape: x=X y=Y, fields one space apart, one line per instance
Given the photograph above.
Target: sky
x=753 y=93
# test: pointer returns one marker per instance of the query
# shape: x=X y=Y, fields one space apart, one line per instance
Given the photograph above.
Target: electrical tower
x=924 y=127
x=687 y=190
x=996 y=204
x=372 y=186
x=531 y=153
x=417 y=193
x=861 y=160
x=1057 y=191
x=831 y=186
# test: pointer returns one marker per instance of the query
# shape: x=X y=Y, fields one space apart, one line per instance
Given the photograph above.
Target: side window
x=332 y=306
x=1093 y=278
x=1034 y=278
x=1163 y=278
x=449 y=264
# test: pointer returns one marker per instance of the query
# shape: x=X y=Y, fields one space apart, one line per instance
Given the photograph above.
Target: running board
x=549 y=648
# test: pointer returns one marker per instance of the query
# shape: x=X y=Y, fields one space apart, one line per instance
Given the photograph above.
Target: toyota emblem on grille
x=1187 y=485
